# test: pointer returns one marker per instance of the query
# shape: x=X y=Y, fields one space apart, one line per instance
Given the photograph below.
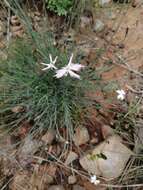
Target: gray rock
x=99 y=26
x=56 y=187
x=30 y=146
x=81 y=136
x=28 y=149
x=114 y=156
x=72 y=179
x=71 y=157
x=78 y=187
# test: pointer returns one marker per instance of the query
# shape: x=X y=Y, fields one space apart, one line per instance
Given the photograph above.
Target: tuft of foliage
x=48 y=101
x=61 y=7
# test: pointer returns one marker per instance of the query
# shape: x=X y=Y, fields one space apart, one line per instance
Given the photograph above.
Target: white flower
x=69 y=69
x=93 y=179
x=51 y=65
x=121 y=94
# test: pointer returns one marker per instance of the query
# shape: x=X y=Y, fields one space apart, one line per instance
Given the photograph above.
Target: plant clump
x=45 y=83
x=61 y=7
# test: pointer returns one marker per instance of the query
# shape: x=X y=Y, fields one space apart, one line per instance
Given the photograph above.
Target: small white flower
x=121 y=94
x=51 y=65
x=69 y=69
x=93 y=179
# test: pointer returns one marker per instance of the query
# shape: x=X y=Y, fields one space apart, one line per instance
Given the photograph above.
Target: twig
x=6 y=184
x=135 y=107
x=133 y=90
x=60 y=163
x=120 y=186
x=7 y=3
x=8 y=21
x=126 y=66
x=85 y=176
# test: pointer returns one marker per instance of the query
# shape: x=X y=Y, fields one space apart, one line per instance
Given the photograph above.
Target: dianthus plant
x=49 y=86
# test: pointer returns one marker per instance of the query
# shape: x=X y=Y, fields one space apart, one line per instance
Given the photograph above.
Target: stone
x=56 y=187
x=107 y=131
x=71 y=157
x=30 y=146
x=78 y=187
x=27 y=150
x=72 y=179
x=49 y=137
x=108 y=159
x=81 y=136
x=99 y=26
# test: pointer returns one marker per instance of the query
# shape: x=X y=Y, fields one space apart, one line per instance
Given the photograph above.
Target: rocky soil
x=111 y=37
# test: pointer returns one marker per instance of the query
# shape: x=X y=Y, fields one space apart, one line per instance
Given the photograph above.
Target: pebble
x=71 y=157
x=81 y=136
x=72 y=179
x=27 y=150
x=49 y=137
x=99 y=26
x=30 y=146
